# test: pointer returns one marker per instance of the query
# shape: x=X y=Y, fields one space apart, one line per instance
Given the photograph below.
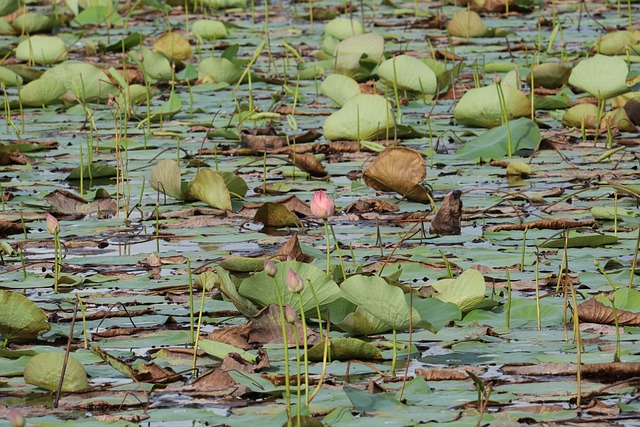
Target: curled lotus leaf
x=549 y=75
x=480 y=107
x=467 y=24
x=339 y=88
x=174 y=46
x=581 y=115
x=343 y=28
x=362 y=117
x=619 y=43
x=45 y=369
x=42 y=50
x=409 y=73
x=20 y=318
x=209 y=29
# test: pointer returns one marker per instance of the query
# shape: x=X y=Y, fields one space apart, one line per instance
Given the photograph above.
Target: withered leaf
x=68 y=205
x=266 y=328
x=292 y=250
x=609 y=371
x=448 y=219
x=7 y=228
x=372 y=205
x=593 y=311
x=309 y=164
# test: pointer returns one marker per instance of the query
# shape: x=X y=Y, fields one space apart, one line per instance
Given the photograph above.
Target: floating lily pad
x=20 y=318
x=581 y=241
x=45 y=370
x=494 y=143
x=362 y=117
x=408 y=73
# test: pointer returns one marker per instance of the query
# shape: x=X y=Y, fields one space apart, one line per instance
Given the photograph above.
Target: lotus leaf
x=549 y=75
x=216 y=70
x=380 y=299
x=602 y=76
x=518 y=168
x=168 y=109
x=408 y=73
x=260 y=288
x=581 y=241
x=174 y=46
x=361 y=322
x=343 y=28
x=581 y=115
x=467 y=24
x=42 y=50
x=345 y=349
x=619 y=43
x=6 y=29
x=401 y=170
x=209 y=187
x=494 y=143
x=9 y=78
x=362 y=117
x=467 y=291
x=20 y=318
x=618 y=119
x=85 y=81
x=209 y=29
x=275 y=215
x=480 y=107
x=98 y=15
x=42 y=92
x=29 y=23
x=358 y=55
x=154 y=64
x=339 y=88
x=45 y=369
x=8 y=6
x=165 y=177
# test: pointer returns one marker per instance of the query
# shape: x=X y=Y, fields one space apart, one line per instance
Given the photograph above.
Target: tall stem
x=285 y=344
x=326 y=233
x=305 y=345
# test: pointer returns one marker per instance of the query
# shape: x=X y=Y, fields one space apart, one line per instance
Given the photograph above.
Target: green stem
x=395 y=353
x=295 y=329
x=333 y=233
x=57 y=259
x=285 y=344
x=326 y=233
x=305 y=345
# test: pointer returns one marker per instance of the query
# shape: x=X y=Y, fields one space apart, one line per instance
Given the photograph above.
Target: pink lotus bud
x=270 y=268
x=290 y=314
x=53 y=227
x=17 y=419
x=322 y=206
x=294 y=282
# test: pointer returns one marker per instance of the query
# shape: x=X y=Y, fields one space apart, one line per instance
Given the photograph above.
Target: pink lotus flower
x=270 y=268
x=290 y=314
x=294 y=282
x=53 y=227
x=322 y=206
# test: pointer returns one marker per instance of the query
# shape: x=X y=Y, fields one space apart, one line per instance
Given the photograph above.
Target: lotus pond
x=169 y=243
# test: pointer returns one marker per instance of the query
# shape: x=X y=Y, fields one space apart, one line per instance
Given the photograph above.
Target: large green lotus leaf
x=619 y=43
x=581 y=115
x=93 y=170
x=85 y=81
x=228 y=288
x=6 y=29
x=343 y=28
x=260 y=288
x=45 y=369
x=494 y=143
x=173 y=46
x=467 y=24
x=237 y=186
x=165 y=178
x=168 y=109
x=409 y=73
x=361 y=322
x=380 y=299
x=209 y=29
x=435 y=312
x=339 y=88
x=362 y=117
x=467 y=291
x=276 y=215
x=401 y=170
x=220 y=350
x=602 y=76
x=480 y=107
x=8 y=6
x=209 y=187
x=624 y=298
x=373 y=403
x=328 y=48
x=358 y=55
x=549 y=75
x=345 y=349
x=20 y=318
x=581 y=241
x=98 y=16
x=42 y=92
x=30 y=23
x=154 y=64
x=225 y=4
x=219 y=70
x=42 y=50
x=9 y=78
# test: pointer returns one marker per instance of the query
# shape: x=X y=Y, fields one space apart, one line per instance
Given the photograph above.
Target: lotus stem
x=524 y=249
x=508 y=318
x=305 y=347
x=326 y=232
x=395 y=353
x=635 y=260
x=195 y=344
x=616 y=356
x=298 y=376
x=57 y=255
x=505 y=115
x=538 y=293
x=190 y=278
x=333 y=233
x=285 y=345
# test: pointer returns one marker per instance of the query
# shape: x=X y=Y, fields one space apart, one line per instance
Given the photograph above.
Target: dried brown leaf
x=593 y=311
x=448 y=219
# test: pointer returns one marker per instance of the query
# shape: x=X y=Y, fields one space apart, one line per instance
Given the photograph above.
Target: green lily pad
x=45 y=369
x=260 y=288
x=581 y=241
x=9 y=77
x=228 y=288
x=343 y=28
x=380 y=299
x=602 y=76
x=408 y=73
x=220 y=350
x=86 y=82
x=467 y=24
x=581 y=115
x=21 y=319
x=619 y=43
x=219 y=70
x=276 y=215
x=155 y=65
x=357 y=56
x=610 y=213
x=363 y=117
x=42 y=50
x=29 y=23
x=8 y=6
x=209 y=187
x=361 y=322
x=94 y=170
x=493 y=144
x=345 y=349
x=242 y=264
x=467 y=291
x=339 y=88
x=550 y=75
x=98 y=16
x=480 y=107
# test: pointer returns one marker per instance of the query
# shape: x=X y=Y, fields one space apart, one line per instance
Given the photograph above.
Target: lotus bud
x=290 y=314
x=294 y=282
x=497 y=78
x=270 y=268
x=321 y=205
x=53 y=227
x=16 y=418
